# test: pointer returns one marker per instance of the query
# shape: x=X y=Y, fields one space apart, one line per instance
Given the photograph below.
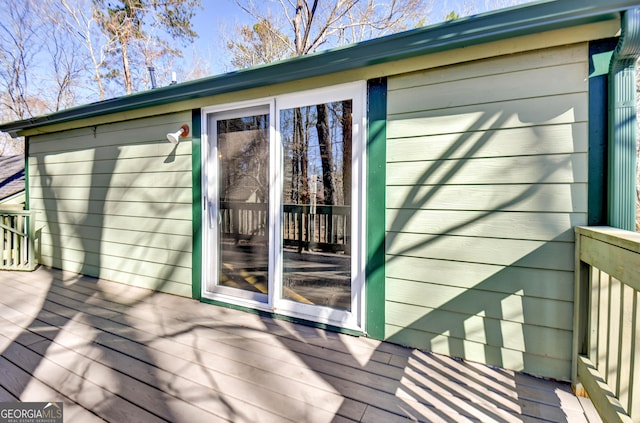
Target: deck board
x=120 y=353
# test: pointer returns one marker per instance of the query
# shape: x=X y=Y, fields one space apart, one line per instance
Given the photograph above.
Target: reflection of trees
x=326 y=153
x=300 y=163
x=347 y=136
x=317 y=162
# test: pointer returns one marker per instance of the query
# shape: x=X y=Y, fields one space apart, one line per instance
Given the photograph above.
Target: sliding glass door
x=316 y=204
x=239 y=206
x=283 y=185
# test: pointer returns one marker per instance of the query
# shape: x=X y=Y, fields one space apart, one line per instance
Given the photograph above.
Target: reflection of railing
x=321 y=227
x=17 y=230
x=243 y=221
x=607 y=321
x=316 y=227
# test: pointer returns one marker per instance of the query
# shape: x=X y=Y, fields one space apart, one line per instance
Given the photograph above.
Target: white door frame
x=274 y=302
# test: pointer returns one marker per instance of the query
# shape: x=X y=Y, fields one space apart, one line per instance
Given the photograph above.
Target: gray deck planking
x=120 y=353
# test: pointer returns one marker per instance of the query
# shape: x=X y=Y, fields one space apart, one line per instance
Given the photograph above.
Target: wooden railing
x=17 y=230
x=607 y=321
x=321 y=227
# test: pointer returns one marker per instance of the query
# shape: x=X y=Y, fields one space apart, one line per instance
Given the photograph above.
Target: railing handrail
x=614 y=265
x=289 y=208
x=614 y=236
x=17 y=212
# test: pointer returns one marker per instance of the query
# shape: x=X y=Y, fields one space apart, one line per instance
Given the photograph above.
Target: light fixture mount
x=174 y=137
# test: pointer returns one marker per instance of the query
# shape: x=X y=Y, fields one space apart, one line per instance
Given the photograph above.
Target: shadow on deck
x=122 y=354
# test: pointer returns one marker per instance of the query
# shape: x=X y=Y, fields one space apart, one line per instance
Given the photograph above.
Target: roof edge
x=528 y=19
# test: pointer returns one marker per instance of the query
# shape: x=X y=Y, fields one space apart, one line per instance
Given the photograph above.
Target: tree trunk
x=126 y=67
x=326 y=153
x=304 y=162
x=347 y=137
x=299 y=178
x=297 y=28
x=98 y=76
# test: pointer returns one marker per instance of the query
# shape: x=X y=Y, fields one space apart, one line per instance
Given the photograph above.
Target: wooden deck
x=121 y=354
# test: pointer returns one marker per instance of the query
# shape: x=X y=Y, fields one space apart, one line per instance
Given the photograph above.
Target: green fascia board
x=517 y=21
x=27 y=202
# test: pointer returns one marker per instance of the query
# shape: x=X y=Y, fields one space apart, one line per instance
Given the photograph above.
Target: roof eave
x=533 y=18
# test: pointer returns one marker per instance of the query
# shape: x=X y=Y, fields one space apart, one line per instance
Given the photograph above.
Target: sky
x=220 y=16
x=216 y=16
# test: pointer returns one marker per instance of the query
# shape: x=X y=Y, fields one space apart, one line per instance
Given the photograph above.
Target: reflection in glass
x=243 y=198
x=316 y=214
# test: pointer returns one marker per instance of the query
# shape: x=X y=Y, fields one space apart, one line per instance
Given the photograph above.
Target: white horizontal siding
x=486 y=177
x=115 y=201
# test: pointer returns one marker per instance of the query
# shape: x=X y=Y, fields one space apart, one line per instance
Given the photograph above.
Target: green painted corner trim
x=375 y=210
x=621 y=204
x=600 y=53
x=196 y=190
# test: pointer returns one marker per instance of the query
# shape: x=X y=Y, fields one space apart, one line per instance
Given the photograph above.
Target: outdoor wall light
x=174 y=137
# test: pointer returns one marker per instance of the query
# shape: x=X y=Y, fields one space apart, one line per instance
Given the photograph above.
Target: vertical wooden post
x=3 y=241
x=580 y=315
x=31 y=239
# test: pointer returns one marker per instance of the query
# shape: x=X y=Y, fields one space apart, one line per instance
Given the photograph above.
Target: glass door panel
x=242 y=148
x=316 y=204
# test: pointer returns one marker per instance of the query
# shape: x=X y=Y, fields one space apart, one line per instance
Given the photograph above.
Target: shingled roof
x=11 y=176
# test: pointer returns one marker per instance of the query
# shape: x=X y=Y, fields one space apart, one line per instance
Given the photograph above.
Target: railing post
x=581 y=315
x=2 y=241
x=31 y=239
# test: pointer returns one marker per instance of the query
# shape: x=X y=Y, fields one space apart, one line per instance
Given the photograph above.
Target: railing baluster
x=3 y=242
x=625 y=351
x=610 y=370
x=23 y=242
x=16 y=243
x=595 y=314
x=634 y=374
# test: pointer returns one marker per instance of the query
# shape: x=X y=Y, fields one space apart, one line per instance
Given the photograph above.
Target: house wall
x=486 y=177
x=114 y=201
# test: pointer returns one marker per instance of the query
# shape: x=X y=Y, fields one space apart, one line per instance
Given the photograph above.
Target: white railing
x=607 y=321
x=17 y=230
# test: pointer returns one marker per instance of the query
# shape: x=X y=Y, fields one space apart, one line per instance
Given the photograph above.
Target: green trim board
x=26 y=174
x=376 y=207
x=196 y=193
x=600 y=53
x=517 y=21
